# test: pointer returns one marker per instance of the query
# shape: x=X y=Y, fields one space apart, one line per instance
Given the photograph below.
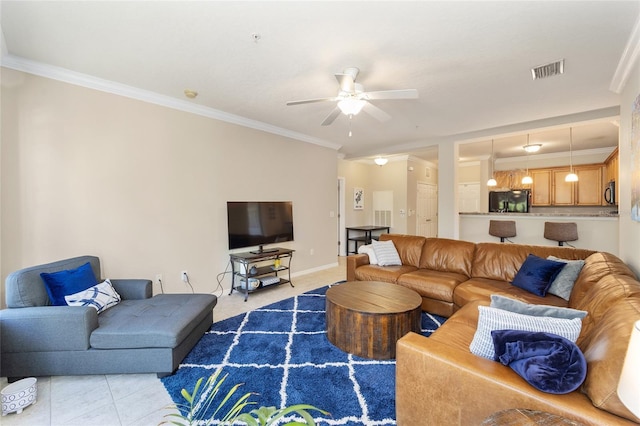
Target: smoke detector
x=548 y=70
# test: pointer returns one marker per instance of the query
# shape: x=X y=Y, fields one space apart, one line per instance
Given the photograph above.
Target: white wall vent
x=548 y=70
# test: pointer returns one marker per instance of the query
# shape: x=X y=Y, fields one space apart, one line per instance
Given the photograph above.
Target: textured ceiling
x=469 y=61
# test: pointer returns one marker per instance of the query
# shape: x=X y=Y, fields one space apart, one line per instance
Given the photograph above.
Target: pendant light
x=492 y=181
x=527 y=180
x=571 y=177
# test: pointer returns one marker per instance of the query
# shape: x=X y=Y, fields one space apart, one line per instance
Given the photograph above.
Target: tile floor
x=138 y=399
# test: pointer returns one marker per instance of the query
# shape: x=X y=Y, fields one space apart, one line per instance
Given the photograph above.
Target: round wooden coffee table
x=366 y=318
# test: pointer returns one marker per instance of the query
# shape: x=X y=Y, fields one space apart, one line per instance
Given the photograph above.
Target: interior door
x=427 y=210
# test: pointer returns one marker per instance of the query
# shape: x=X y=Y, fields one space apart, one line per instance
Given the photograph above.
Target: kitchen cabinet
x=588 y=189
x=541 y=187
x=550 y=189
x=611 y=171
x=511 y=179
x=562 y=192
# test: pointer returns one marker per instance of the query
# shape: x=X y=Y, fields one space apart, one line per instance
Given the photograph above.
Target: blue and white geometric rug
x=282 y=353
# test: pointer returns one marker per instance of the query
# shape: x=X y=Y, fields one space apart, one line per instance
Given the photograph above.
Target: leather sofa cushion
x=409 y=247
x=458 y=331
x=441 y=254
x=498 y=261
x=483 y=288
x=387 y=274
x=599 y=298
x=432 y=284
x=162 y=321
x=596 y=266
x=604 y=352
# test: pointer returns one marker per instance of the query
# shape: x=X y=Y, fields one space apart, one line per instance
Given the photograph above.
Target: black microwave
x=514 y=201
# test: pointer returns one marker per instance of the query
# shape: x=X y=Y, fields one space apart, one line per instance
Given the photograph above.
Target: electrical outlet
x=158 y=279
x=311 y=252
x=185 y=277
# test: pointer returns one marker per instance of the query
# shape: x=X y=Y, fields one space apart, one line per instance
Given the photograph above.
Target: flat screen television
x=259 y=223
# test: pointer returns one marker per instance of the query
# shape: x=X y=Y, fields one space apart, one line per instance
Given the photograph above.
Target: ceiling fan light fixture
x=531 y=148
x=351 y=106
x=381 y=161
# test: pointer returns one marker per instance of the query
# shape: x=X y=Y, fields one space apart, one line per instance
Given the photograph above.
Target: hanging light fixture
x=492 y=180
x=571 y=177
x=528 y=180
x=381 y=161
x=531 y=147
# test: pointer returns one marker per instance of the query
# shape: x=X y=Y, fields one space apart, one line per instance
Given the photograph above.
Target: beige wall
x=629 y=229
x=145 y=187
x=400 y=176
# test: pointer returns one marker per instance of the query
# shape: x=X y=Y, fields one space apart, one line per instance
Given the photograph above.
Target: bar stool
x=561 y=232
x=503 y=229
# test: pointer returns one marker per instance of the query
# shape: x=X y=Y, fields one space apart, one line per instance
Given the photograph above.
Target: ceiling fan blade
x=347 y=83
x=331 y=117
x=309 y=101
x=376 y=112
x=392 y=94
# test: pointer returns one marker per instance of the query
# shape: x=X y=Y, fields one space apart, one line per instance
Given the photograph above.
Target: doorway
x=427 y=210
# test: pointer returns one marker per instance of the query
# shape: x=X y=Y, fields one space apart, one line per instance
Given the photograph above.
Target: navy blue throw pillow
x=548 y=362
x=70 y=281
x=536 y=274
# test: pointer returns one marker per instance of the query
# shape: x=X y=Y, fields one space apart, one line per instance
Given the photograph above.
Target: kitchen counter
x=596 y=231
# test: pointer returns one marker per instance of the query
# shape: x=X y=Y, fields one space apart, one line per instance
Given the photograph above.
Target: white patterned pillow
x=368 y=250
x=386 y=253
x=101 y=297
x=490 y=319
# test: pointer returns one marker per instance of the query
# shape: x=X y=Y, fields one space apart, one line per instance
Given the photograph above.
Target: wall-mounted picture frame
x=358 y=198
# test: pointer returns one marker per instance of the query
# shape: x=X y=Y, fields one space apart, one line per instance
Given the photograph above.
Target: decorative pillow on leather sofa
x=101 y=297
x=490 y=319
x=62 y=283
x=386 y=253
x=563 y=283
x=368 y=250
x=536 y=274
x=513 y=305
x=547 y=362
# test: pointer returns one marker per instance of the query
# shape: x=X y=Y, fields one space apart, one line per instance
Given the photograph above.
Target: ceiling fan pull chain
x=350 y=117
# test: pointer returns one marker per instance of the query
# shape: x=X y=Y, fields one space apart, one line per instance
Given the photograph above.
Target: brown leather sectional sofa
x=440 y=382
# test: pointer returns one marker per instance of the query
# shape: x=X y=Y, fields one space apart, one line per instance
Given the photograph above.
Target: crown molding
x=627 y=61
x=107 y=86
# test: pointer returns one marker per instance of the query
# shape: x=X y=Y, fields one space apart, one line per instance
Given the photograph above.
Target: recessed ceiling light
x=191 y=94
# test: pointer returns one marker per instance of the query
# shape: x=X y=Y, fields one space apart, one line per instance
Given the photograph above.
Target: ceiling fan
x=352 y=98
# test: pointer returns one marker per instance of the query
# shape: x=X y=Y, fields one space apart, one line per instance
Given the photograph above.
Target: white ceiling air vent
x=548 y=70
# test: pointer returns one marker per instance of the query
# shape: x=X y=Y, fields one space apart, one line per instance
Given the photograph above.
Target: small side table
x=364 y=235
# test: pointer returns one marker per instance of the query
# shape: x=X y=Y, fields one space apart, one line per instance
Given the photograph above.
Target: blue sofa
x=141 y=334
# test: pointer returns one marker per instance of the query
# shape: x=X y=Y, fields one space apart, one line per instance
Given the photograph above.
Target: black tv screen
x=258 y=223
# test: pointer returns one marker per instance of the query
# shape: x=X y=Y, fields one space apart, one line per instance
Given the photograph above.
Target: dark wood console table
x=363 y=235
x=247 y=267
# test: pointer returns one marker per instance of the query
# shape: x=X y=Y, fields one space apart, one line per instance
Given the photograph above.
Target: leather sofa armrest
x=353 y=262
x=131 y=289
x=437 y=384
x=47 y=328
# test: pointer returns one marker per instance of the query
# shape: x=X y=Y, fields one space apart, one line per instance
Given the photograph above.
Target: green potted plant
x=230 y=408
